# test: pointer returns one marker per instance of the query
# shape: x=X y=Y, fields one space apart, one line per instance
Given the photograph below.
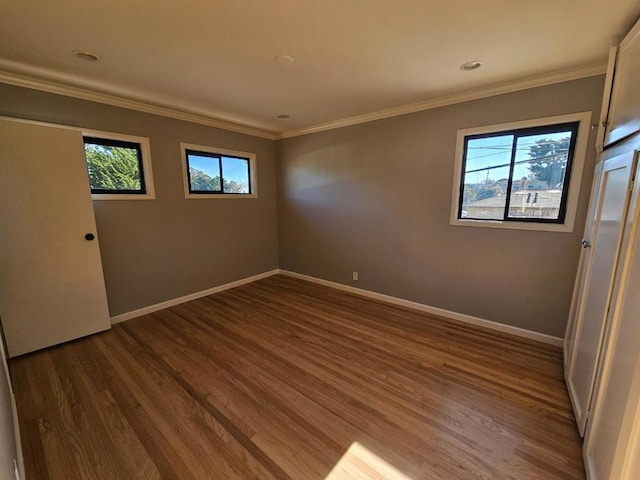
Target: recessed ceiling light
x=88 y=56
x=474 y=65
x=284 y=116
x=284 y=59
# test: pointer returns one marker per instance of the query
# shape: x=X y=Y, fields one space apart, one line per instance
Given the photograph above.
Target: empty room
x=331 y=240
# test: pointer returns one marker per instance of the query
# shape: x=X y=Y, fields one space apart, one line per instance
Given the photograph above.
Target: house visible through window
x=518 y=175
x=214 y=173
x=114 y=166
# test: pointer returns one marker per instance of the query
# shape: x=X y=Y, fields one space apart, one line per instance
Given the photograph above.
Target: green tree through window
x=202 y=182
x=549 y=160
x=113 y=168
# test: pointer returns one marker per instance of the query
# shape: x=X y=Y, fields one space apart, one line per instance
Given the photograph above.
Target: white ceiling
x=215 y=58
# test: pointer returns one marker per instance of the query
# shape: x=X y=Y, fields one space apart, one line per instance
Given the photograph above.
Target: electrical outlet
x=355 y=275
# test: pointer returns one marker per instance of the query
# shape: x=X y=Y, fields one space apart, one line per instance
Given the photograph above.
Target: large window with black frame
x=518 y=175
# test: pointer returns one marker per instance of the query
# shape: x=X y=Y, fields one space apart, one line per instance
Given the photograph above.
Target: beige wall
x=161 y=249
x=375 y=198
x=372 y=198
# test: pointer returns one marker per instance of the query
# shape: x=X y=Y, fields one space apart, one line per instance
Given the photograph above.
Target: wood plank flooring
x=284 y=379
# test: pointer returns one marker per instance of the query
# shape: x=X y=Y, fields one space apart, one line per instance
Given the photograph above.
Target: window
x=211 y=172
x=521 y=175
x=118 y=166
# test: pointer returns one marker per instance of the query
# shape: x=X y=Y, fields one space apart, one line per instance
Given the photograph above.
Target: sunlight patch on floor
x=359 y=463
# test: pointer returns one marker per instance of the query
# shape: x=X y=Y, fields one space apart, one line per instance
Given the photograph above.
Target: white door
x=581 y=276
x=624 y=113
x=608 y=222
x=11 y=463
x=51 y=282
x=609 y=441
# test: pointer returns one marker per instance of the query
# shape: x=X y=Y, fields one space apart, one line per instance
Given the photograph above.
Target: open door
x=51 y=283
x=11 y=461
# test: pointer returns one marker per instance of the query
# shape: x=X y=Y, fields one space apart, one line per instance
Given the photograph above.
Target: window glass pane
x=204 y=173
x=113 y=168
x=486 y=177
x=235 y=172
x=539 y=176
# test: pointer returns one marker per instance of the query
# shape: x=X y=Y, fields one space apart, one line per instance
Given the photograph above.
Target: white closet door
x=609 y=441
x=624 y=113
x=590 y=326
x=581 y=276
x=51 y=282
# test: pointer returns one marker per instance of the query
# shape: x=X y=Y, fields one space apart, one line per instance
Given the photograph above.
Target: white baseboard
x=501 y=327
x=521 y=332
x=192 y=296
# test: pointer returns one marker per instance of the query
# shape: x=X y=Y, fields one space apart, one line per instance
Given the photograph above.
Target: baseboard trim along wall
x=192 y=296
x=521 y=332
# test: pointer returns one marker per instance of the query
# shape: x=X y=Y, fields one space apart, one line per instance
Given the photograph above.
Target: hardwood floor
x=284 y=379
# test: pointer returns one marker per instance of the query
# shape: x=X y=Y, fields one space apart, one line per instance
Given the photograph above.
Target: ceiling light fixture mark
x=88 y=56
x=284 y=59
x=473 y=65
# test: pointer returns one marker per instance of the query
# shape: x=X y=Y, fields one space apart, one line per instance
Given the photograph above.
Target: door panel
x=615 y=411
x=607 y=234
x=624 y=112
x=51 y=282
x=585 y=262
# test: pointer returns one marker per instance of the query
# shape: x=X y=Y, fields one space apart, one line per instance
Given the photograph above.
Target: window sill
x=218 y=196
x=115 y=196
x=544 y=227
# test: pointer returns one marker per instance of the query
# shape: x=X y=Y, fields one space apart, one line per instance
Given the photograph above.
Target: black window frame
x=109 y=142
x=218 y=156
x=517 y=133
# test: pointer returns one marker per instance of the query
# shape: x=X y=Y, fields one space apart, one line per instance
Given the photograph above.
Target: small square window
x=118 y=168
x=215 y=173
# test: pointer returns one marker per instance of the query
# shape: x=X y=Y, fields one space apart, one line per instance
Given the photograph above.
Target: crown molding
x=118 y=101
x=443 y=101
x=83 y=93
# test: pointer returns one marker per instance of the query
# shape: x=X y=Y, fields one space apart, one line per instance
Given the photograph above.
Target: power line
x=509 y=164
x=519 y=144
x=506 y=151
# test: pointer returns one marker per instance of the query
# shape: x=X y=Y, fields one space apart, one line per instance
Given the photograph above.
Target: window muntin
x=114 y=166
x=218 y=173
x=520 y=175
